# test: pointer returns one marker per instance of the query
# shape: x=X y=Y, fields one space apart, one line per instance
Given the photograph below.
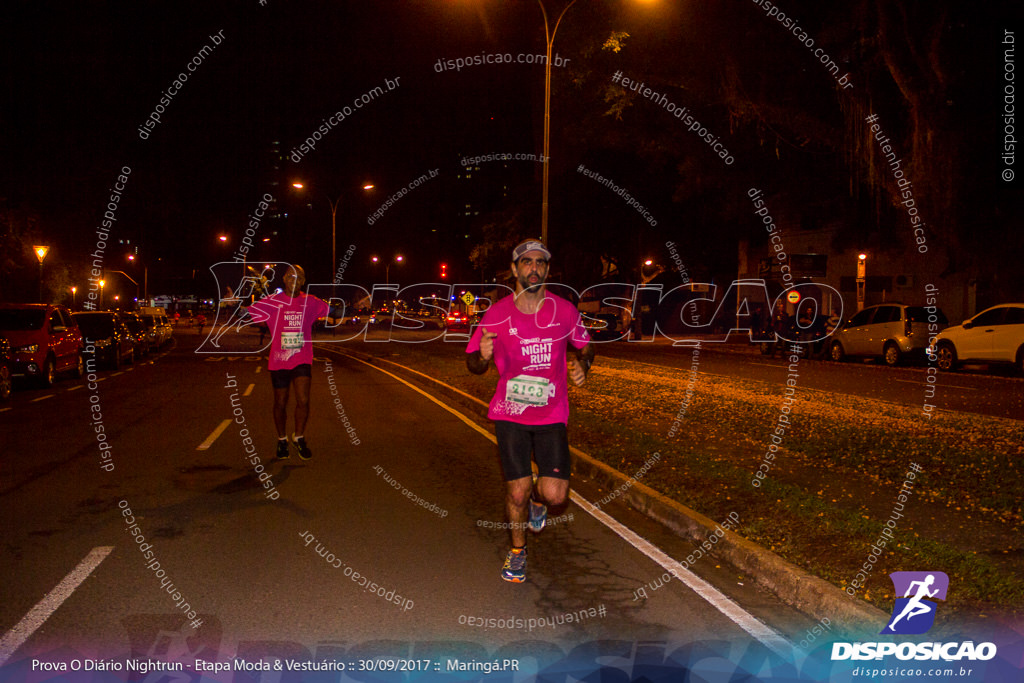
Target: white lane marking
x=42 y=398
x=213 y=435
x=739 y=616
x=78 y=386
x=4 y=410
x=115 y=374
x=435 y=400
x=38 y=615
x=259 y=368
x=249 y=389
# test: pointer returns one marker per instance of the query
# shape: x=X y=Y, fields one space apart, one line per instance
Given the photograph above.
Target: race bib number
x=533 y=391
x=291 y=340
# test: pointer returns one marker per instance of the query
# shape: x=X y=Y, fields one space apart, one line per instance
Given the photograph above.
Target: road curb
x=798 y=588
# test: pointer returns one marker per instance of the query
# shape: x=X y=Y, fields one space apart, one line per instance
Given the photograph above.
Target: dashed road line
x=213 y=435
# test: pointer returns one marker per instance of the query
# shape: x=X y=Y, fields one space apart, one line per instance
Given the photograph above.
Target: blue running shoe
x=538 y=516
x=515 y=566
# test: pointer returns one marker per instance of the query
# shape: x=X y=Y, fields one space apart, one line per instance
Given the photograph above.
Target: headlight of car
x=30 y=348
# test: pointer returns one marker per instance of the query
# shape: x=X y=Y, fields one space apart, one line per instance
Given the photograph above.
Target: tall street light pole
x=40 y=254
x=145 y=279
x=130 y=280
x=862 y=279
x=334 y=223
x=549 y=36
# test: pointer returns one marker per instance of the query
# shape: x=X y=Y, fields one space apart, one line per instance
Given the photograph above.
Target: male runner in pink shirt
x=527 y=335
x=290 y=316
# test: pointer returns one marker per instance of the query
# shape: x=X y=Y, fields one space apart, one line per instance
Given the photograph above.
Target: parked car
x=44 y=339
x=158 y=329
x=139 y=335
x=891 y=331
x=107 y=339
x=6 y=369
x=996 y=335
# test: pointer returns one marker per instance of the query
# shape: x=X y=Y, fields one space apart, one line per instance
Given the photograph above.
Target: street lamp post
x=549 y=37
x=334 y=223
x=129 y=279
x=861 y=279
x=40 y=254
x=145 y=279
x=73 y=291
x=103 y=283
x=398 y=260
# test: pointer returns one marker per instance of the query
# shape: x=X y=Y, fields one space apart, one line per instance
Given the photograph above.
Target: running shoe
x=538 y=516
x=515 y=566
x=282 y=449
x=304 y=452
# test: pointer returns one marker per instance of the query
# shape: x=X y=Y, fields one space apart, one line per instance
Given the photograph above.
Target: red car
x=457 y=320
x=45 y=341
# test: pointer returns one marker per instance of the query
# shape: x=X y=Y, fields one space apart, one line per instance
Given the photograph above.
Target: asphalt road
x=284 y=575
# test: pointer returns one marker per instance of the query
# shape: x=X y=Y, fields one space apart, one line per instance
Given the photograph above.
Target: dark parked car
x=106 y=338
x=139 y=335
x=44 y=339
x=6 y=369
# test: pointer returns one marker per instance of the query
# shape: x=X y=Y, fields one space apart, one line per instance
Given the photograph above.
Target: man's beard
x=527 y=286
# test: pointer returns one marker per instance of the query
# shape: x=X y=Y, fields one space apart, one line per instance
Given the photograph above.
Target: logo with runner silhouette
x=914 y=612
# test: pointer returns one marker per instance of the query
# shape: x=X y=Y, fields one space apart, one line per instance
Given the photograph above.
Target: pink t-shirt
x=291 y=326
x=530 y=354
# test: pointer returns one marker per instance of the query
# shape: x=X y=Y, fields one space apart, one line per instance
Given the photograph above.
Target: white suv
x=996 y=335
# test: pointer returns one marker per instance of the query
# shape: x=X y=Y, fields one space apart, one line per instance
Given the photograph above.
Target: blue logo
x=913 y=613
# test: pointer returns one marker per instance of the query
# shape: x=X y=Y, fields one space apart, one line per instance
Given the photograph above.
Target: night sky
x=81 y=78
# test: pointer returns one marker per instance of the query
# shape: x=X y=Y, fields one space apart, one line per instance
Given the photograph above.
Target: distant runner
x=528 y=335
x=290 y=316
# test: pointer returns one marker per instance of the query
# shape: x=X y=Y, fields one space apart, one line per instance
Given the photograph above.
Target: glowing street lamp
x=73 y=290
x=145 y=279
x=862 y=259
x=40 y=254
x=398 y=260
x=334 y=220
x=103 y=283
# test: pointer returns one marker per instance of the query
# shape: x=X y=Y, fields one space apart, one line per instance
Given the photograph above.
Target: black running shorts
x=548 y=444
x=282 y=379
